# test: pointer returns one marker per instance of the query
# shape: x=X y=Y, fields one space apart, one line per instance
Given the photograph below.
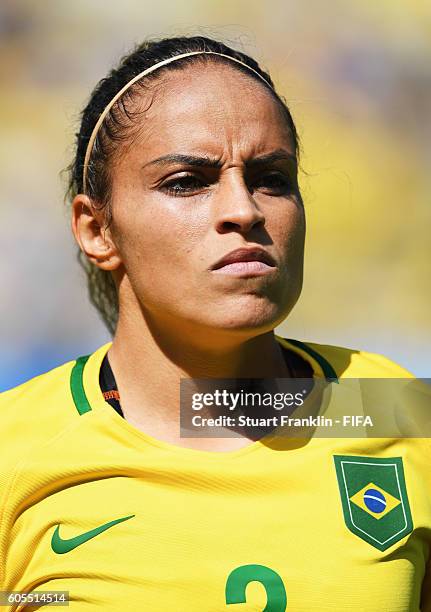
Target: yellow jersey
x=122 y=521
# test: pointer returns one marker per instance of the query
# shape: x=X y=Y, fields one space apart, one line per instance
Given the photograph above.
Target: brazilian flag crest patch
x=374 y=498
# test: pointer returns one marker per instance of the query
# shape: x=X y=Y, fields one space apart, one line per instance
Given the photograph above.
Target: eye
x=274 y=183
x=183 y=185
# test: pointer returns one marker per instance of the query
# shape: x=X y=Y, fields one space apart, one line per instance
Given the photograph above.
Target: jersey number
x=241 y=576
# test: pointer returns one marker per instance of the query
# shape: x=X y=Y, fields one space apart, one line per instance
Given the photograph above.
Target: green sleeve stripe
x=328 y=370
x=77 y=386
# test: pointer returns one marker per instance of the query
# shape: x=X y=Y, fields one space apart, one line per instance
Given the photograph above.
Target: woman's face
x=213 y=170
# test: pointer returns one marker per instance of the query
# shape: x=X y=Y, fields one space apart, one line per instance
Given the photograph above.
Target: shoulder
x=36 y=411
x=353 y=362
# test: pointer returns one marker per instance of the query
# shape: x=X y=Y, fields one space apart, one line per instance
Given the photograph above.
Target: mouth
x=252 y=261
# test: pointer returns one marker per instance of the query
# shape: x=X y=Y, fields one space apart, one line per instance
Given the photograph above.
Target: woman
x=186 y=208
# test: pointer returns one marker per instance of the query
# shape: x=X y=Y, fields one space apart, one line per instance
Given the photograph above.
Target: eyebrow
x=211 y=162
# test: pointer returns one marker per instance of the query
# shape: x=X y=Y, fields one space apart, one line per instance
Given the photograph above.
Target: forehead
x=212 y=108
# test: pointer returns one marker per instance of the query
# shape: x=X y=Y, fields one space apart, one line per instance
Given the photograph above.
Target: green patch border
x=408 y=528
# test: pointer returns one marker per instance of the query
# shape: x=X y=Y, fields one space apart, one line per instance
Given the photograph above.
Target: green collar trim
x=83 y=405
x=328 y=370
x=77 y=386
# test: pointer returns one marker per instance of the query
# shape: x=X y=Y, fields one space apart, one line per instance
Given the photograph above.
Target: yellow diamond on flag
x=375 y=501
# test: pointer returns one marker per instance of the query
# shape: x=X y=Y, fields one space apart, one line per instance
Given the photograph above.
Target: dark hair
x=118 y=127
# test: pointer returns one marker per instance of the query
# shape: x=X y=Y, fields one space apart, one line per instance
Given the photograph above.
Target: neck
x=149 y=359
x=193 y=351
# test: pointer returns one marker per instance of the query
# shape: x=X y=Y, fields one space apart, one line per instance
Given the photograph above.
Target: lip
x=249 y=261
x=245 y=268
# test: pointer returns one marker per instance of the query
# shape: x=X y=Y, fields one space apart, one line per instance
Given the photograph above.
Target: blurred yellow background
x=357 y=78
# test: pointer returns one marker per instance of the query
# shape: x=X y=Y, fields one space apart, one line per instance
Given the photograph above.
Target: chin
x=251 y=319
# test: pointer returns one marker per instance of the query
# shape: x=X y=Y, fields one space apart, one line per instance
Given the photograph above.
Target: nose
x=236 y=208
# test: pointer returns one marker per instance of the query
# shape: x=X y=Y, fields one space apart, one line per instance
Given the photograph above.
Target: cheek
x=287 y=230
x=156 y=241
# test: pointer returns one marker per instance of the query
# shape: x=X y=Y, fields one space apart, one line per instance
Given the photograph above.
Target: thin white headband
x=130 y=83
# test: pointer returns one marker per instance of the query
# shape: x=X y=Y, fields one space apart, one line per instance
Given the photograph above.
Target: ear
x=93 y=238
